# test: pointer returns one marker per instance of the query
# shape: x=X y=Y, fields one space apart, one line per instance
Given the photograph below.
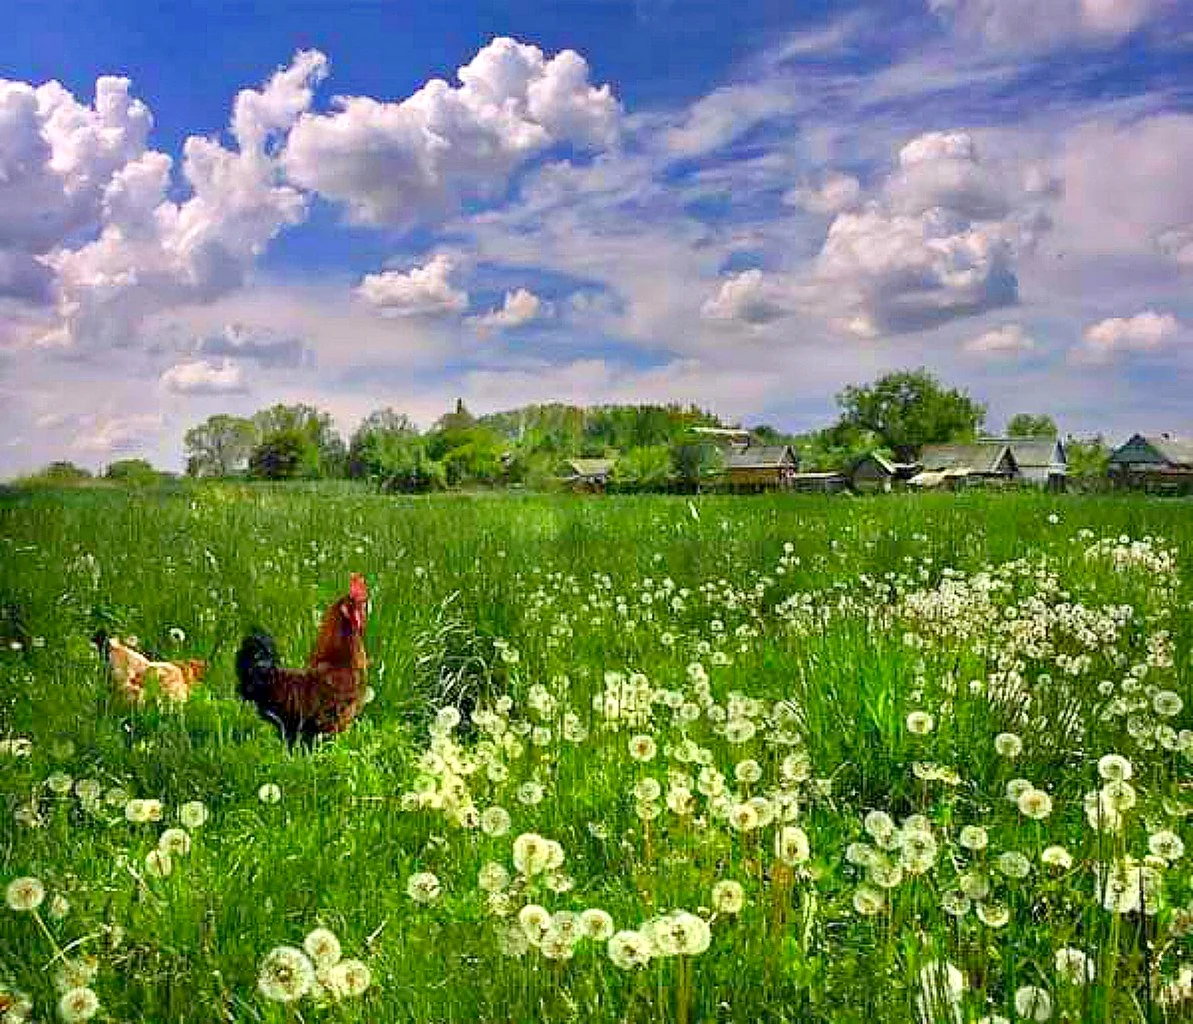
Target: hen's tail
x=255 y=664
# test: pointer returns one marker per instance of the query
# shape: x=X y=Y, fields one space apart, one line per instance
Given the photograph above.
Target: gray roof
x=978 y=457
x=1031 y=452
x=1177 y=450
x=590 y=467
x=762 y=456
x=888 y=465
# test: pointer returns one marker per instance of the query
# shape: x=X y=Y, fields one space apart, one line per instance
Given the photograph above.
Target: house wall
x=869 y=476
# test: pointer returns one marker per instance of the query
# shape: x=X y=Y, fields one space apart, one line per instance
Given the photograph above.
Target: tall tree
x=1024 y=424
x=220 y=446
x=287 y=454
x=381 y=445
x=1089 y=460
x=133 y=473
x=307 y=421
x=910 y=409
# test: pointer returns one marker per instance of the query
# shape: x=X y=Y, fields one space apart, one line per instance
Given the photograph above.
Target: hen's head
x=356 y=605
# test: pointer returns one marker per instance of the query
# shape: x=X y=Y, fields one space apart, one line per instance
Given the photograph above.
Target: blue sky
x=222 y=206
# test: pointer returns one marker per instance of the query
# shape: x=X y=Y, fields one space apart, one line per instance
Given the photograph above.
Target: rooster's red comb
x=357 y=589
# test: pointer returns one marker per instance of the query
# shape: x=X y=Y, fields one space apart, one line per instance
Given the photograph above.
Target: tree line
x=653 y=447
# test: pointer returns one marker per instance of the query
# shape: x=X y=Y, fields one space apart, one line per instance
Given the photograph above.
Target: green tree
x=288 y=454
x=382 y=445
x=696 y=465
x=415 y=472
x=316 y=427
x=647 y=468
x=1089 y=460
x=910 y=409
x=133 y=473
x=56 y=474
x=1024 y=424
x=220 y=446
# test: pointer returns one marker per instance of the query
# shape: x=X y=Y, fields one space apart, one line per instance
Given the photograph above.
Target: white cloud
x=201 y=377
x=56 y=156
x=835 y=193
x=422 y=291
x=726 y=114
x=154 y=252
x=746 y=297
x=520 y=307
x=944 y=169
x=392 y=163
x=1145 y=332
x=105 y=434
x=904 y=273
x=1002 y=342
x=939 y=245
x=1019 y=24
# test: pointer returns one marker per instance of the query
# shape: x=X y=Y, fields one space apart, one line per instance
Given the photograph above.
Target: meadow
x=774 y=758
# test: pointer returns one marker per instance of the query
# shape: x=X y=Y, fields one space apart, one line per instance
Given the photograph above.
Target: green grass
x=519 y=596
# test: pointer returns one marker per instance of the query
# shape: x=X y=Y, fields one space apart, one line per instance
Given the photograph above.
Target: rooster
x=327 y=695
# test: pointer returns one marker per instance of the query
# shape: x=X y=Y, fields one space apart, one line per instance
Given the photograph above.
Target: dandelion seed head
x=286 y=975
x=24 y=894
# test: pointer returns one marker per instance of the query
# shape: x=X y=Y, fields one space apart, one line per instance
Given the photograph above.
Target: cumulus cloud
x=520 y=307
x=422 y=291
x=938 y=245
x=105 y=434
x=56 y=157
x=153 y=252
x=201 y=377
x=943 y=169
x=1002 y=342
x=904 y=273
x=747 y=298
x=834 y=193
x=1145 y=332
x=1021 y=24
x=393 y=163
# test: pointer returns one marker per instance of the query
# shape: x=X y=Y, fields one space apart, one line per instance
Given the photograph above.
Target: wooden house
x=587 y=474
x=875 y=472
x=955 y=465
x=761 y=467
x=819 y=483
x=1042 y=461
x=1157 y=462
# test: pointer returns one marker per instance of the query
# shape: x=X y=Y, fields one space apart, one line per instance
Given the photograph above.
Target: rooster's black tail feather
x=255 y=664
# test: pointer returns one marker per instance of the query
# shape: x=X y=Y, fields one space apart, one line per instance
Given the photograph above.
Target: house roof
x=1031 y=452
x=762 y=456
x=590 y=467
x=977 y=457
x=1177 y=450
x=889 y=465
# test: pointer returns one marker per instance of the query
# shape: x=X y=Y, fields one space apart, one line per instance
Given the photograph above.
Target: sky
x=216 y=206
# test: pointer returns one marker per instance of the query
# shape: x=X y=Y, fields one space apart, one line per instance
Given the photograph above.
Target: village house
x=875 y=472
x=1158 y=462
x=1042 y=461
x=760 y=467
x=956 y=465
x=586 y=474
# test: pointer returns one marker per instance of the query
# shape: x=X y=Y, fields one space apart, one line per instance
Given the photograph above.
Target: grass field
x=778 y=758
